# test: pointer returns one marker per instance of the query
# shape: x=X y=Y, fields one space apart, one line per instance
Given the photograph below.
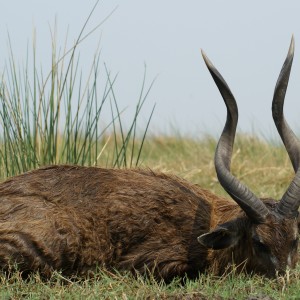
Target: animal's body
x=76 y=219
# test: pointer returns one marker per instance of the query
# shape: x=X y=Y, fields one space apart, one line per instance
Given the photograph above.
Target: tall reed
x=58 y=118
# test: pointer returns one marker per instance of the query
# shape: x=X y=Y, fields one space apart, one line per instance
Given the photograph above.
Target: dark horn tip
x=282 y=81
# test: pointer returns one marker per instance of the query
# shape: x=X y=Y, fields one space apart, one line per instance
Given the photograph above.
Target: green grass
x=60 y=116
x=106 y=285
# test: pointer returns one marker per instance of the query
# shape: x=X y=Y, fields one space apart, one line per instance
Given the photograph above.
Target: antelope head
x=267 y=233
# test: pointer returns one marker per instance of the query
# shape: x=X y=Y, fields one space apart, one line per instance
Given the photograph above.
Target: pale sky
x=246 y=40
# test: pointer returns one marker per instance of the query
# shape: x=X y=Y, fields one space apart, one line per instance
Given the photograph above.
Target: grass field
x=263 y=166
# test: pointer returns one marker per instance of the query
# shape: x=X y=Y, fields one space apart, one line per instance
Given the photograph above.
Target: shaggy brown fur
x=74 y=219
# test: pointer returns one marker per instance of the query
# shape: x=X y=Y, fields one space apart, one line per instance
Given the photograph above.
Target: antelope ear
x=223 y=236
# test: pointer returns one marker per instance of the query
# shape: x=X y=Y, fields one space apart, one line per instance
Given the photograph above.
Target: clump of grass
x=57 y=118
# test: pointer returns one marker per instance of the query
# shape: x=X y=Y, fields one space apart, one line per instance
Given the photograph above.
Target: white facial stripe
x=274 y=260
x=296 y=231
x=289 y=260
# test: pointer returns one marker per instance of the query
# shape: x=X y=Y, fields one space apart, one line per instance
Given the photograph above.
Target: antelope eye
x=260 y=246
x=295 y=243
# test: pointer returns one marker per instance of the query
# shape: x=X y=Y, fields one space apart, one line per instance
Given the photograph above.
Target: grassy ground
x=262 y=166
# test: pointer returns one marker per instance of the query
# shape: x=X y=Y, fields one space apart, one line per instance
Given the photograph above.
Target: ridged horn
x=254 y=208
x=290 y=202
x=291 y=142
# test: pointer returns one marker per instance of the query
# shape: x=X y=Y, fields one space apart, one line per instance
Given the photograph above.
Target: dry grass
x=263 y=166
